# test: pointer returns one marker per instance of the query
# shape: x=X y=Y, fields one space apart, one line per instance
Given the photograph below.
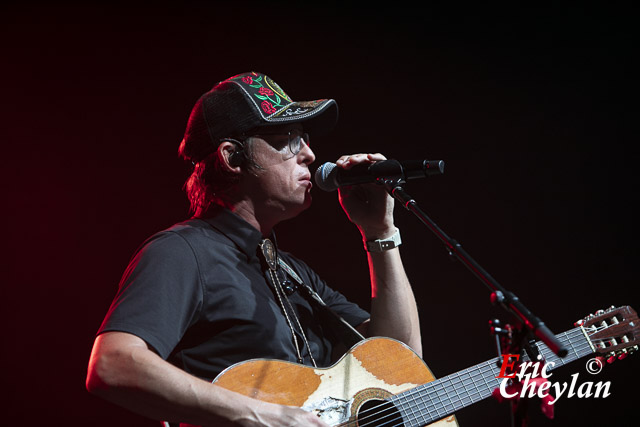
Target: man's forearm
x=124 y=371
x=394 y=312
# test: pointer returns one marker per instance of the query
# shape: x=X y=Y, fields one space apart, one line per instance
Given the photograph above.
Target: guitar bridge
x=331 y=410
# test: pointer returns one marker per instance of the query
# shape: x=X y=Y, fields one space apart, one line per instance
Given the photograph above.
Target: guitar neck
x=435 y=400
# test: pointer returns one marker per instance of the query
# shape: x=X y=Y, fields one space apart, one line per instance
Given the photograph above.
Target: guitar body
x=373 y=370
x=369 y=385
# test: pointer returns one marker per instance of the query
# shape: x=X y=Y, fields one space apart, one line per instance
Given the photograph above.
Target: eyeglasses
x=294 y=140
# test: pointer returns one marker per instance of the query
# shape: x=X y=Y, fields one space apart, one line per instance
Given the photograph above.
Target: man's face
x=281 y=188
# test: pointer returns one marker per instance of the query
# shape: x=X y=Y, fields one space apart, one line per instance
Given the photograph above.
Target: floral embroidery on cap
x=271 y=101
x=267 y=107
x=271 y=96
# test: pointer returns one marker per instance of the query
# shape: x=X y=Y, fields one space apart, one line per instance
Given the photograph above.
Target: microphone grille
x=325 y=177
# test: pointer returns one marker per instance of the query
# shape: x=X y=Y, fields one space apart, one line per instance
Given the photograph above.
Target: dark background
x=531 y=109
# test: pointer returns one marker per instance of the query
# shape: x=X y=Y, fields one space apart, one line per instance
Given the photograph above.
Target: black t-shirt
x=198 y=295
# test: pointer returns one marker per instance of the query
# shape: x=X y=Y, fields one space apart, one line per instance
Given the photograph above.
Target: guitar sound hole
x=378 y=413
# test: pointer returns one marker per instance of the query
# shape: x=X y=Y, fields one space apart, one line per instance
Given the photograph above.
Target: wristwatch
x=382 y=245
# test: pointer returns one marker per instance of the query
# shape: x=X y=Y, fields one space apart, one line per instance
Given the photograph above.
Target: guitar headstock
x=614 y=332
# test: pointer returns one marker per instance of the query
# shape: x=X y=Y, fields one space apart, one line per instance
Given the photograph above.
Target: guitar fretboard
x=440 y=398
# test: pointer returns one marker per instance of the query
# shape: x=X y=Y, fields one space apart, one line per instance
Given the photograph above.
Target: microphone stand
x=529 y=325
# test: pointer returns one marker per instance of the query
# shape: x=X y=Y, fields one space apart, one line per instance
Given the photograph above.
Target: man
x=213 y=291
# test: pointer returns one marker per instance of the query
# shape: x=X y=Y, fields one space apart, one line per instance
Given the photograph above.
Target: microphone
x=329 y=177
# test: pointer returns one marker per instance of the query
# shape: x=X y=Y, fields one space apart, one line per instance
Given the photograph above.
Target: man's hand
x=263 y=414
x=368 y=206
x=269 y=415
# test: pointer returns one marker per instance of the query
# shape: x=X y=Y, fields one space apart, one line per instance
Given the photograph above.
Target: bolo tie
x=270 y=255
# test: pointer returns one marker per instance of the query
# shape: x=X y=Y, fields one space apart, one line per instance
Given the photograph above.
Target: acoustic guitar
x=382 y=382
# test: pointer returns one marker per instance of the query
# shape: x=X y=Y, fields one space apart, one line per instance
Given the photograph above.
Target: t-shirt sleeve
x=349 y=311
x=160 y=293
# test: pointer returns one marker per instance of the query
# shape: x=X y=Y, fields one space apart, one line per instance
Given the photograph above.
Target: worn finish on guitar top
x=270 y=381
x=374 y=368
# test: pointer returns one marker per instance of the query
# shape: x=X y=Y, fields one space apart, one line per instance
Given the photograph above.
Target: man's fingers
x=349 y=160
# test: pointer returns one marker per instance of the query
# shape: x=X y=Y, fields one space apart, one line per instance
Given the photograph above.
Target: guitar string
x=564 y=336
x=543 y=349
x=579 y=351
x=377 y=419
x=374 y=414
x=360 y=419
x=547 y=353
x=451 y=403
x=479 y=370
x=425 y=417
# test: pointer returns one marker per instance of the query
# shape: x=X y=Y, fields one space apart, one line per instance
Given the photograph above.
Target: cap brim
x=318 y=116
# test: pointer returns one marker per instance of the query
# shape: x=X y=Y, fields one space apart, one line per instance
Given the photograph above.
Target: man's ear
x=231 y=156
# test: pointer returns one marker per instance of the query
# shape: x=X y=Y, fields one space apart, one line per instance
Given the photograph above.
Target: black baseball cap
x=244 y=102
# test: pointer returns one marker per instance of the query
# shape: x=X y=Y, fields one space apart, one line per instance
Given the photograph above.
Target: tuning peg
x=579 y=322
x=586 y=318
x=611 y=357
x=622 y=354
x=599 y=312
x=613 y=307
